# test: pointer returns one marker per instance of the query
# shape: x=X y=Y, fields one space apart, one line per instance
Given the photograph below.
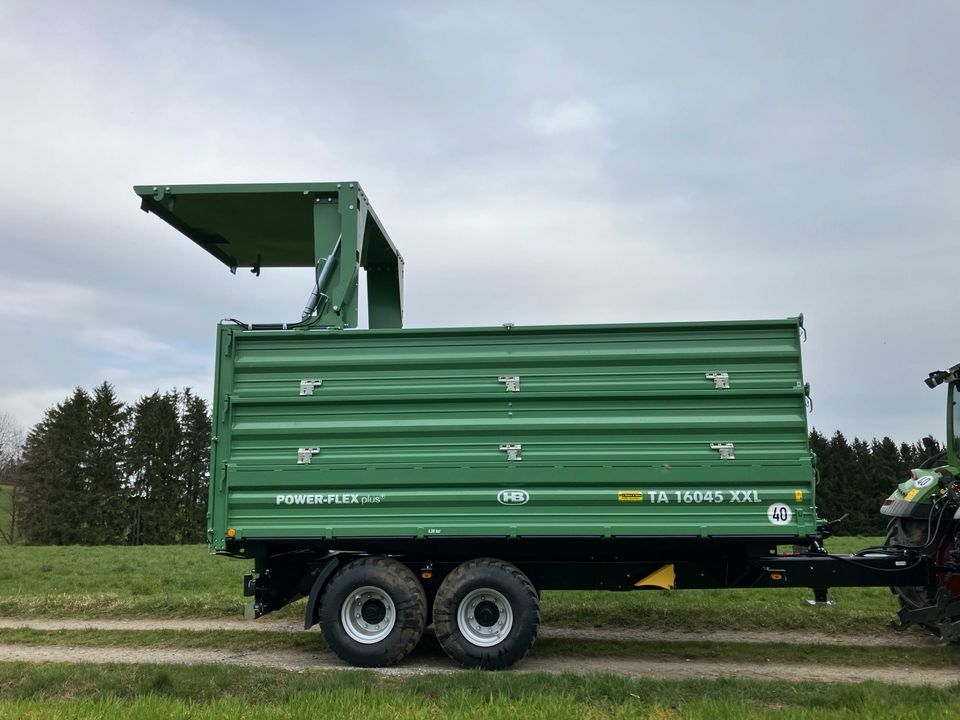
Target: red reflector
x=888 y=501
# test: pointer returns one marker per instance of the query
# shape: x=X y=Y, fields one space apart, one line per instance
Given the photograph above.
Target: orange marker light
x=231 y=532
x=776 y=576
x=426 y=575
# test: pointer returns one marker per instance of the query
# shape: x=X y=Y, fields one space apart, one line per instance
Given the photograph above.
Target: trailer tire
x=373 y=612
x=511 y=614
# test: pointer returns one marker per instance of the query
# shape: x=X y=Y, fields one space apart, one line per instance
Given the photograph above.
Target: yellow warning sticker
x=798 y=495
x=911 y=495
x=630 y=496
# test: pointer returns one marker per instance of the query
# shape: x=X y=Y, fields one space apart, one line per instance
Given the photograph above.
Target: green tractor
x=925 y=522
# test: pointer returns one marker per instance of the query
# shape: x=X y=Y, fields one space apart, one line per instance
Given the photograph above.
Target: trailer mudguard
x=323 y=575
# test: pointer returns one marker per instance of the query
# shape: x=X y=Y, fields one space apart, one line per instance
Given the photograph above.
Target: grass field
x=184 y=581
x=84 y=692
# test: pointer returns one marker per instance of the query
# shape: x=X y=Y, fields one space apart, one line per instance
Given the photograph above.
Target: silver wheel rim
x=477 y=620
x=361 y=617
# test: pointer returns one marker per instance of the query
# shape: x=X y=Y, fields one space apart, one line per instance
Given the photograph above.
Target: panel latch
x=512 y=382
x=512 y=451
x=305 y=455
x=725 y=450
x=721 y=380
x=307 y=386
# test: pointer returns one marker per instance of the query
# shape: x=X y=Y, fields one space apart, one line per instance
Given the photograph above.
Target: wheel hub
x=373 y=611
x=485 y=617
x=368 y=615
x=486 y=613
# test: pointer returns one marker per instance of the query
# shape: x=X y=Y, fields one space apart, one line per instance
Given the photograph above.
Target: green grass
x=239 y=640
x=858 y=610
x=82 y=692
x=112 y=581
x=184 y=581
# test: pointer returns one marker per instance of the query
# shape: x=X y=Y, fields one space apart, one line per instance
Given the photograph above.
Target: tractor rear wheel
x=911 y=533
x=940 y=547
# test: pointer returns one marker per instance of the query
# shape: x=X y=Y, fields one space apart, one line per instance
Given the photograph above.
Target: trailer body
x=683 y=430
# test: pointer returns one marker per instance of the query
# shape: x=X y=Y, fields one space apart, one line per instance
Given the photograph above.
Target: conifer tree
x=835 y=464
x=194 y=467
x=152 y=463
x=909 y=456
x=53 y=485
x=859 y=497
x=105 y=504
x=888 y=467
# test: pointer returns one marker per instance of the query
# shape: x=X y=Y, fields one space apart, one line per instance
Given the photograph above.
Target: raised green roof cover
x=292 y=225
x=265 y=225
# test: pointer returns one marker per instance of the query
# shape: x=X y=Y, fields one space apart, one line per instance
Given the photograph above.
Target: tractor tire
x=373 y=612
x=910 y=532
x=486 y=614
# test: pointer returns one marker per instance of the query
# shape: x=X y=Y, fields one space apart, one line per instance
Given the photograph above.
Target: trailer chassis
x=282 y=576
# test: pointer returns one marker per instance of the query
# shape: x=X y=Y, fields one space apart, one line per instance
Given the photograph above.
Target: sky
x=535 y=163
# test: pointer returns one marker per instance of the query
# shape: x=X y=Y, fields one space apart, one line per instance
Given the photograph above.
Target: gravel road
x=789 y=637
x=424 y=662
x=666 y=670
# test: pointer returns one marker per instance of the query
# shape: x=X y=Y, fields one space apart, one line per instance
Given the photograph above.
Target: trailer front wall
x=406 y=434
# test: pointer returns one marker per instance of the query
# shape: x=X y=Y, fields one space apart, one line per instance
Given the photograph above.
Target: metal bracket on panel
x=512 y=451
x=307 y=386
x=725 y=450
x=721 y=380
x=305 y=455
x=512 y=382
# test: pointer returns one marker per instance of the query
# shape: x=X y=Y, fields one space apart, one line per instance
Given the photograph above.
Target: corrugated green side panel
x=615 y=426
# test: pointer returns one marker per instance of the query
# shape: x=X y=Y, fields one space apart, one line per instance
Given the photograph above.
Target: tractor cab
x=953 y=421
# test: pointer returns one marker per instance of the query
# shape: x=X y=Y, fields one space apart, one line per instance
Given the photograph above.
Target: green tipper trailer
x=400 y=436
x=398 y=477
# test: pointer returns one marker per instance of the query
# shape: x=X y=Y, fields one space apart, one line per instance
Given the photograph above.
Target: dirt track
x=667 y=670
x=788 y=637
x=425 y=662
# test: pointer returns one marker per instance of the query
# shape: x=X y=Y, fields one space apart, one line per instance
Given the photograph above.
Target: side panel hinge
x=721 y=380
x=725 y=450
x=307 y=386
x=305 y=455
x=512 y=451
x=512 y=382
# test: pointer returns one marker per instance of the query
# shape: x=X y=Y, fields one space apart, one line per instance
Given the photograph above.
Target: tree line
x=94 y=471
